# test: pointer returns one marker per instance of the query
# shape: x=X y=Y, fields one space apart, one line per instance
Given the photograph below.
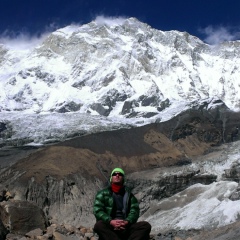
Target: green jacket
x=103 y=206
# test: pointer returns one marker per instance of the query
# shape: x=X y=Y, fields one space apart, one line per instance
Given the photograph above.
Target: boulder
x=20 y=217
x=35 y=232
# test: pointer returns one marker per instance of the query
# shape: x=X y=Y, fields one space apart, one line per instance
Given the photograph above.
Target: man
x=117 y=210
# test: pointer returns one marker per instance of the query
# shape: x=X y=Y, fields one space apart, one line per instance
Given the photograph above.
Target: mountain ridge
x=117 y=70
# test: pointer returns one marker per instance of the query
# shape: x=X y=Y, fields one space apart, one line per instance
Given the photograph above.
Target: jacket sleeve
x=99 y=208
x=133 y=214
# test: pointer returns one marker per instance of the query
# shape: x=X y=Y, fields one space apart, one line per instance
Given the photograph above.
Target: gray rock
x=164 y=104
x=12 y=236
x=233 y=174
x=98 y=107
x=68 y=107
x=20 y=217
x=35 y=232
x=149 y=100
x=127 y=107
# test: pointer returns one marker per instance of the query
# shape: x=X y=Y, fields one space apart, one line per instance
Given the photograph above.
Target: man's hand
x=119 y=224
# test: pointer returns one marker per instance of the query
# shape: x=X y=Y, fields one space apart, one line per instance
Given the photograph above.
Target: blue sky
x=210 y=20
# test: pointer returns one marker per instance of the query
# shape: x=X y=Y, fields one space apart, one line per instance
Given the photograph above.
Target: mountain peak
x=118 y=68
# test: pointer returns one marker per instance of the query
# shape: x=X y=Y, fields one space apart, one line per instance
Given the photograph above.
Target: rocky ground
x=68 y=232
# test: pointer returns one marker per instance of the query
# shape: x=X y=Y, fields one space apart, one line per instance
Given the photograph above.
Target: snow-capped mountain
x=108 y=75
x=125 y=69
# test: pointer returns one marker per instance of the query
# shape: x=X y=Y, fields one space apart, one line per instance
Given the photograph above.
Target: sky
x=212 y=21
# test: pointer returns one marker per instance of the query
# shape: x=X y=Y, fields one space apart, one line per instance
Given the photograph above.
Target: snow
x=109 y=21
x=174 y=72
x=58 y=65
x=140 y=86
x=209 y=208
x=67 y=31
x=199 y=206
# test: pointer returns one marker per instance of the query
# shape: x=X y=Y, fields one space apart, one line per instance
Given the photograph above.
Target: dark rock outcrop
x=233 y=174
x=68 y=107
x=151 y=187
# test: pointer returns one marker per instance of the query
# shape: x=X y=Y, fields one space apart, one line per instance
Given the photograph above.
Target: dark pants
x=135 y=231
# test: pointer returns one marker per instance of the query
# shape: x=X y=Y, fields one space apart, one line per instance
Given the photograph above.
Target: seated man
x=117 y=210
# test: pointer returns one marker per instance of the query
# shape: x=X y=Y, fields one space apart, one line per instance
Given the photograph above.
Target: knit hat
x=116 y=170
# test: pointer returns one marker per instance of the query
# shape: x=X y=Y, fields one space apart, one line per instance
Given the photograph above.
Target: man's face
x=117 y=178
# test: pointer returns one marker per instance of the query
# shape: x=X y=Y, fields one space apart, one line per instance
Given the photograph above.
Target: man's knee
x=99 y=225
x=145 y=225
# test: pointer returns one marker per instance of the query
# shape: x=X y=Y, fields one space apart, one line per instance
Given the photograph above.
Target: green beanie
x=116 y=170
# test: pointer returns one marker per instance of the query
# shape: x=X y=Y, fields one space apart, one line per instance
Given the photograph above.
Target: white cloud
x=21 y=41
x=216 y=35
x=110 y=21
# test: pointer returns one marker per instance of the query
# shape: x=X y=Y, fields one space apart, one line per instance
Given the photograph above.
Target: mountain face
x=105 y=76
x=127 y=69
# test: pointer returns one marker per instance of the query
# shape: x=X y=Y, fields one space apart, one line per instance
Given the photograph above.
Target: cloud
x=26 y=40
x=109 y=21
x=21 y=41
x=216 y=35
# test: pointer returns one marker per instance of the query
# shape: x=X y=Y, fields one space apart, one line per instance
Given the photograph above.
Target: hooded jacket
x=104 y=205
